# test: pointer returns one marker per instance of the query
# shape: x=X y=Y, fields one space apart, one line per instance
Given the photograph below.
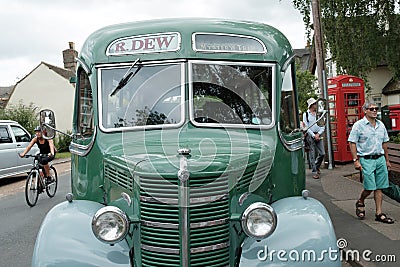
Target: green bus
x=186 y=151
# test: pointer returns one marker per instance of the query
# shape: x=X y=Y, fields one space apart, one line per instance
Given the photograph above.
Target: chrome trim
x=124 y=64
x=161 y=250
x=174 y=201
x=237 y=126
x=84 y=65
x=192 y=250
x=209 y=248
x=183 y=173
x=160 y=225
x=83 y=150
x=292 y=145
x=120 y=214
x=265 y=51
x=184 y=151
x=146 y=52
x=305 y=193
x=206 y=224
x=200 y=200
x=184 y=202
x=146 y=127
x=243 y=197
x=287 y=63
x=252 y=207
x=176 y=226
x=127 y=198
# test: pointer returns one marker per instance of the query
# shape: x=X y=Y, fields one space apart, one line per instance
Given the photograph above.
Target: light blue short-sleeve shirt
x=367 y=138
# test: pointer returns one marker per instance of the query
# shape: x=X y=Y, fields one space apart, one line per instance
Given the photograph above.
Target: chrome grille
x=208 y=220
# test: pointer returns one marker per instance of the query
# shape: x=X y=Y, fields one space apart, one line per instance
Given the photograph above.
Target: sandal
x=316 y=176
x=318 y=171
x=383 y=218
x=359 y=212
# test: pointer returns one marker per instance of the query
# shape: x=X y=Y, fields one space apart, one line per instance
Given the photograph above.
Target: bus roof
x=97 y=47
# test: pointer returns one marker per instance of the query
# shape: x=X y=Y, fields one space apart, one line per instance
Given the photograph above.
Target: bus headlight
x=110 y=224
x=259 y=220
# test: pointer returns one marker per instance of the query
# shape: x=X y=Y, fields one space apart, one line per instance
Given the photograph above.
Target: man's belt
x=372 y=156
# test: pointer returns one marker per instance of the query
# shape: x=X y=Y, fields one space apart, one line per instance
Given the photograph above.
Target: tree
x=306 y=87
x=360 y=34
x=27 y=116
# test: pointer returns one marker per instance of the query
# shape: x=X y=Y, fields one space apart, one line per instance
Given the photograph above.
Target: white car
x=13 y=140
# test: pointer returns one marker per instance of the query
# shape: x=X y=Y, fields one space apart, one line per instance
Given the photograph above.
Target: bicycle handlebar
x=34 y=156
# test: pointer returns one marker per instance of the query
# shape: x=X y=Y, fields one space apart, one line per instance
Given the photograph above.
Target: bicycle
x=35 y=183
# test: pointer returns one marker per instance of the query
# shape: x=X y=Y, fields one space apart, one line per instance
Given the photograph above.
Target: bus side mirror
x=321 y=112
x=48 y=123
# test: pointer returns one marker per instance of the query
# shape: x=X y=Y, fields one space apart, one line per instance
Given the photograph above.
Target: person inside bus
x=316 y=145
x=47 y=151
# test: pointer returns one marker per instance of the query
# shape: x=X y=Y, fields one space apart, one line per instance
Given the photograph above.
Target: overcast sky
x=36 y=31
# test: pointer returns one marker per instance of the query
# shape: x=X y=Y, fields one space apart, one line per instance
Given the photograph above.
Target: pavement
x=364 y=242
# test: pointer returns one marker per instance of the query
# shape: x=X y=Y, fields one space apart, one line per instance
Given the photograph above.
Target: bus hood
x=243 y=160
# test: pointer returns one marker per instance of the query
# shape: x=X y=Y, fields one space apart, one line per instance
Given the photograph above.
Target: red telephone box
x=345 y=97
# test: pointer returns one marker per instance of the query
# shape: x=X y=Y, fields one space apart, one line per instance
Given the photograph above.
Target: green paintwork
x=278 y=47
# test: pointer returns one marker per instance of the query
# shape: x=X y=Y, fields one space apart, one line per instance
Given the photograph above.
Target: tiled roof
x=5 y=91
x=67 y=74
x=391 y=88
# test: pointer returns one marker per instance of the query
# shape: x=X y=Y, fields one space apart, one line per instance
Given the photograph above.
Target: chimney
x=69 y=56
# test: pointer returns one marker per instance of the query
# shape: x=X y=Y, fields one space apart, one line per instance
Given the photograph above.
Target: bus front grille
x=161 y=222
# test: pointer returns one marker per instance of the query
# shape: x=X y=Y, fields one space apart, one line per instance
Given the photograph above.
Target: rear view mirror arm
x=305 y=129
x=58 y=131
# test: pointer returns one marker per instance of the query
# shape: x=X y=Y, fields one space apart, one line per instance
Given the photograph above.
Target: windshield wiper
x=125 y=79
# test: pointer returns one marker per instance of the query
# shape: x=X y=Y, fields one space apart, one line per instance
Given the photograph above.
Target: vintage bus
x=186 y=151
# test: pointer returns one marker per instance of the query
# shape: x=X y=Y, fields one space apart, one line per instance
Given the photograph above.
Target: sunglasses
x=374 y=109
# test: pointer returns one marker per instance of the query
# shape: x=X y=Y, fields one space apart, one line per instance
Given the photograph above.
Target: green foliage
x=62 y=142
x=305 y=86
x=395 y=138
x=360 y=34
x=25 y=115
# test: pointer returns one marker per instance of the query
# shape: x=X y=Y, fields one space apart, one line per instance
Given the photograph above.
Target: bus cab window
x=288 y=119
x=85 y=105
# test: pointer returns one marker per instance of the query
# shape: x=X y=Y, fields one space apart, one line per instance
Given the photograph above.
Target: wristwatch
x=354 y=160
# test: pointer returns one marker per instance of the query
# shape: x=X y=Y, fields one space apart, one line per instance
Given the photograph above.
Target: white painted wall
x=46 y=89
x=378 y=79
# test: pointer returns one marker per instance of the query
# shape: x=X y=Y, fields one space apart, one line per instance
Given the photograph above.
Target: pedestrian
x=313 y=138
x=368 y=144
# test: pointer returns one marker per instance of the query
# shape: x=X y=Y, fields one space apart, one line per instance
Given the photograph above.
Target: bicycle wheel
x=52 y=187
x=31 y=188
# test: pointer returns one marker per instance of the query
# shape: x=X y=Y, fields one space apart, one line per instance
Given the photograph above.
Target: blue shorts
x=375 y=173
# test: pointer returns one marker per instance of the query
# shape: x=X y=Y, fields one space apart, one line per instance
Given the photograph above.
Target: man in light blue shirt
x=368 y=144
x=314 y=138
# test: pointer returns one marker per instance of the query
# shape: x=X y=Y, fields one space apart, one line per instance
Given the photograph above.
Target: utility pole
x=320 y=57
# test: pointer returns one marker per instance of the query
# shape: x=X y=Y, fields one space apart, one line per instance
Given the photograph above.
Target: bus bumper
x=63 y=237
x=304 y=236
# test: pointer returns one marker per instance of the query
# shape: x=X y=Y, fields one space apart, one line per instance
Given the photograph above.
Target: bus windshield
x=152 y=97
x=231 y=94
x=224 y=93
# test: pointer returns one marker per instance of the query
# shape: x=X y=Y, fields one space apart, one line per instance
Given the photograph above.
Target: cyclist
x=47 y=151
